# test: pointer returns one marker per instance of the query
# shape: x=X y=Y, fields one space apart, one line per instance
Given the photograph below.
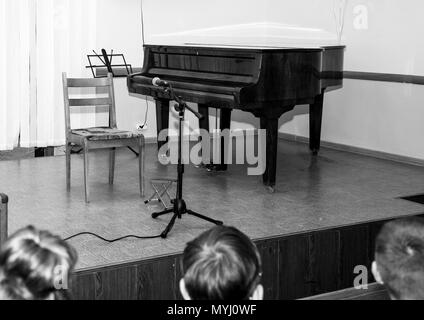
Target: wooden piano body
x=266 y=81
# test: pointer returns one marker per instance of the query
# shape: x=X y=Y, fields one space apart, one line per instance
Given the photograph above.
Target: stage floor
x=333 y=190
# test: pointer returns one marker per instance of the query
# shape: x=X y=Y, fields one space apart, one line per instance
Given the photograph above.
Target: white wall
x=119 y=28
x=378 y=116
x=385 y=117
x=381 y=116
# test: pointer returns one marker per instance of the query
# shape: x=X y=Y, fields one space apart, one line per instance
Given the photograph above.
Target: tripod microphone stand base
x=180 y=209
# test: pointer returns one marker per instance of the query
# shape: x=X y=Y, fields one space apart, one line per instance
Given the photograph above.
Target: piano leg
x=204 y=125
x=271 y=127
x=204 y=111
x=162 y=118
x=315 y=120
x=225 y=122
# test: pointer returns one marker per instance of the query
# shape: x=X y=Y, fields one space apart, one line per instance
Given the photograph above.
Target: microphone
x=157 y=82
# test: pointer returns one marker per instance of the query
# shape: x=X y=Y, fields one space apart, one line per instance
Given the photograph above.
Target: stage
x=338 y=193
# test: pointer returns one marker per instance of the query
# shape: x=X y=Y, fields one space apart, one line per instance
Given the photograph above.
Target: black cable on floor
x=110 y=241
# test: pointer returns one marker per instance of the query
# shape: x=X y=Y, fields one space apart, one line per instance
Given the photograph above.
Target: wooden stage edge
x=295 y=266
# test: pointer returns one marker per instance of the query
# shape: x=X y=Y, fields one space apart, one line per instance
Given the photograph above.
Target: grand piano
x=267 y=81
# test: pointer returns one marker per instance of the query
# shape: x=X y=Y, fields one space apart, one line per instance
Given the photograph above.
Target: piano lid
x=251 y=35
x=244 y=23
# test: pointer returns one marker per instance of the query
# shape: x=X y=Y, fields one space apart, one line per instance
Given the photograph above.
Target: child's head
x=33 y=266
x=399 y=258
x=222 y=264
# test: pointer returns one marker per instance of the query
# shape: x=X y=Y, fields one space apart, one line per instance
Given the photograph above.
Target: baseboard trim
x=329 y=145
x=151 y=140
x=384 y=77
x=357 y=150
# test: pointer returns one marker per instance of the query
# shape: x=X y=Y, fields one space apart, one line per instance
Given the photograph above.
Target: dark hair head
x=221 y=264
x=31 y=262
x=400 y=258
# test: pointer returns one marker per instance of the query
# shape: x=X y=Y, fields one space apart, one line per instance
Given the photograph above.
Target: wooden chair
x=101 y=137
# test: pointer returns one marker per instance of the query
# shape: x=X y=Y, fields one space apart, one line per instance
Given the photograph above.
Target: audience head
x=222 y=264
x=399 y=259
x=35 y=265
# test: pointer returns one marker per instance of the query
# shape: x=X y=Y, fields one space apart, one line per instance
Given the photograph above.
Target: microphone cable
x=146 y=116
x=110 y=240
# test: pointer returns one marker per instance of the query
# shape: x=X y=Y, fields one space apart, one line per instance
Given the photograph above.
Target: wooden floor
x=336 y=189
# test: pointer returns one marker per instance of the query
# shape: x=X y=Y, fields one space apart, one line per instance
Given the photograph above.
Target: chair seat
x=103 y=133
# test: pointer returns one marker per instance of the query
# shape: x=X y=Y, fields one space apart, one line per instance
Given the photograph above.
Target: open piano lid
x=258 y=35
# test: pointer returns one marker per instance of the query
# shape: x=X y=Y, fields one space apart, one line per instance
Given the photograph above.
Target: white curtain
x=43 y=38
x=14 y=69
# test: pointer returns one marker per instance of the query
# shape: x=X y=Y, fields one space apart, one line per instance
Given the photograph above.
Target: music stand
x=105 y=62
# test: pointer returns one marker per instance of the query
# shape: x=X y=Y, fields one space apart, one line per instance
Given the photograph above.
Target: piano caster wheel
x=315 y=153
x=216 y=168
x=201 y=166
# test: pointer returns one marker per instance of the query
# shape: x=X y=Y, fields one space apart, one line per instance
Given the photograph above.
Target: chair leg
x=112 y=166
x=68 y=167
x=141 y=169
x=86 y=163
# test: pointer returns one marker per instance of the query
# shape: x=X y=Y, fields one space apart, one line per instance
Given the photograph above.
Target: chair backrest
x=3 y=218
x=103 y=84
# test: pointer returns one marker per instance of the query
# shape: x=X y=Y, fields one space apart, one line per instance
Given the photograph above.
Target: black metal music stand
x=105 y=62
x=180 y=206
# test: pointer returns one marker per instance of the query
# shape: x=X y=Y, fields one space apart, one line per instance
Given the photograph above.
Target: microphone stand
x=180 y=206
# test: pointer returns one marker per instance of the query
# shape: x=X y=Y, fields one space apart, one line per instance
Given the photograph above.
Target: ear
x=376 y=273
x=258 y=294
x=184 y=291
